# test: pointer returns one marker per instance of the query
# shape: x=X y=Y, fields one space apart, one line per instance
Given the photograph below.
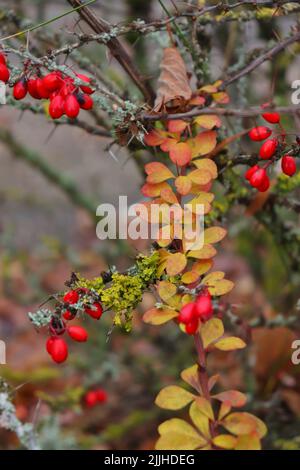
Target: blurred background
x=52 y=179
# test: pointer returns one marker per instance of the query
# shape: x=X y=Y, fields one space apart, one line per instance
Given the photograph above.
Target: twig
x=116 y=49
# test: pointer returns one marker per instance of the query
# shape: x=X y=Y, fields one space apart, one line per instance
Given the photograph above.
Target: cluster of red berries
x=193 y=313
x=56 y=346
x=256 y=175
x=95 y=397
x=64 y=95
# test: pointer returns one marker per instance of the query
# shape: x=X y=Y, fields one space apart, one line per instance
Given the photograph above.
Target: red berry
x=204 y=307
x=49 y=344
x=4 y=73
x=258 y=178
x=56 y=107
x=84 y=88
x=192 y=327
x=52 y=81
x=91 y=398
x=264 y=186
x=41 y=89
x=259 y=133
x=2 y=59
x=251 y=171
x=187 y=313
x=288 y=165
x=268 y=148
x=71 y=297
x=20 y=89
x=101 y=395
x=69 y=315
x=32 y=88
x=95 y=311
x=273 y=118
x=72 y=107
x=59 y=350
x=86 y=102
x=77 y=333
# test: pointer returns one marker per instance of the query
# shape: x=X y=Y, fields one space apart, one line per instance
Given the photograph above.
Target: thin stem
x=45 y=23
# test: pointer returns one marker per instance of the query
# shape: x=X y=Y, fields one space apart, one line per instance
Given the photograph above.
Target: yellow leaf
x=230 y=344
x=200 y=420
x=176 y=264
x=190 y=376
x=202 y=266
x=221 y=97
x=212 y=330
x=166 y=290
x=221 y=287
x=234 y=397
x=173 y=398
x=168 y=195
x=157 y=172
x=208 y=121
x=189 y=277
x=248 y=442
x=225 y=408
x=225 y=441
x=203 y=143
x=177 y=434
x=241 y=423
x=214 y=234
x=205 y=407
x=200 y=176
x=211 y=278
x=208 y=251
x=183 y=185
x=208 y=165
x=159 y=316
x=209 y=88
x=153 y=190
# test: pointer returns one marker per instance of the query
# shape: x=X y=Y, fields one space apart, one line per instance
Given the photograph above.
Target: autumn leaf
x=154 y=138
x=173 y=82
x=183 y=185
x=157 y=172
x=168 y=195
x=212 y=330
x=241 y=423
x=248 y=442
x=205 y=407
x=234 y=397
x=177 y=434
x=203 y=143
x=176 y=264
x=173 y=398
x=180 y=153
x=230 y=344
x=202 y=266
x=221 y=287
x=208 y=121
x=177 y=125
x=225 y=441
x=190 y=277
x=212 y=278
x=191 y=377
x=166 y=290
x=200 y=176
x=214 y=234
x=153 y=190
x=200 y=420
x=208 y=165
x=159 y=316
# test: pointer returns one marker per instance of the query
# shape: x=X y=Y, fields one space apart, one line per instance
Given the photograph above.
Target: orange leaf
x=189 y=277
x=208 y=251
x=180 y=153
x=197 y=101
x=214 y=234
x=157 y=172
x=175 y=264
x=203 y=143
x=183 y=185
x=159 y=316
x=234 y=397
x=202 y=266
x=221 y=97
x=168 y=195
x=153 y=190
x=200 y=176
x=167 y=144
x=154 y=138
x=208 y=165
x=177 y=125
x=208 y=121
x=241 y=423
